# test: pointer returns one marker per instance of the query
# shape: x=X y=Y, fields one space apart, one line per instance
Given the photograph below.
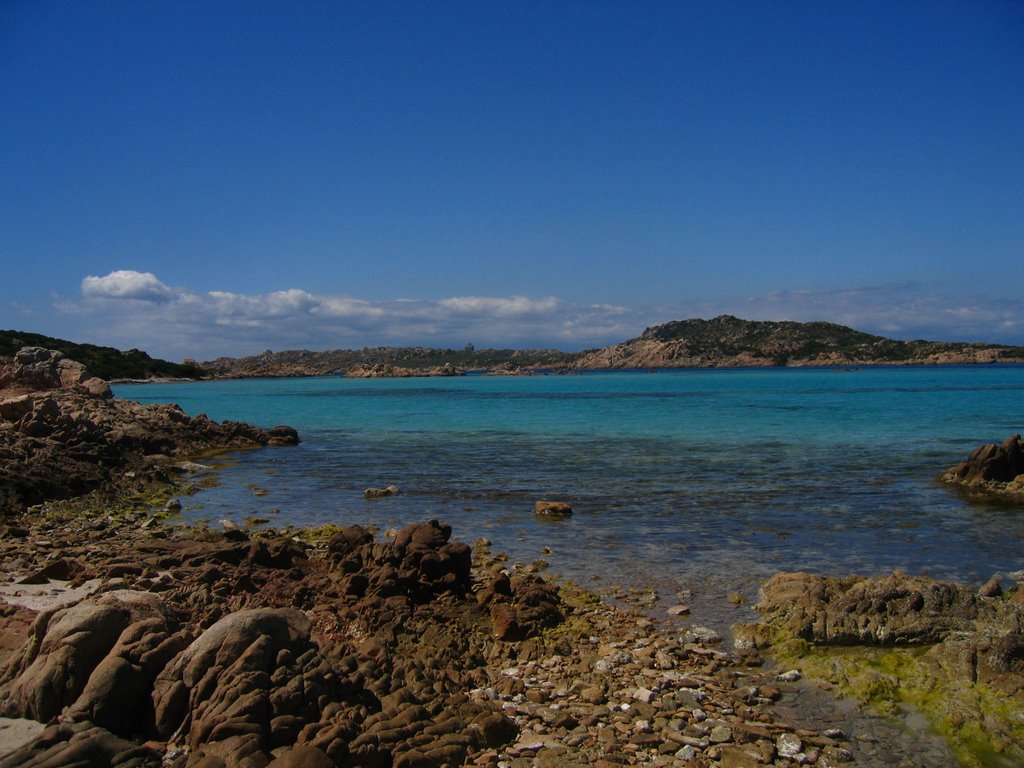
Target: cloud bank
x=127 y=308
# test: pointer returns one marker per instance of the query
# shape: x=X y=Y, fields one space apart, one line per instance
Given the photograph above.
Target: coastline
x=796 y=366
x=536 y=673
x=519 y=669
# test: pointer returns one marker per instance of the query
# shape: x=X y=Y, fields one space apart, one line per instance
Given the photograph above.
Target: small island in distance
x=721 y=342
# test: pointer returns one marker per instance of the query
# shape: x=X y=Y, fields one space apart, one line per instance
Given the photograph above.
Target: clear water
x=709 y=480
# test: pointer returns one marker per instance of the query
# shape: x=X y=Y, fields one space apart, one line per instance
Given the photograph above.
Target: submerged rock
x=552 y=509
x=380 y=493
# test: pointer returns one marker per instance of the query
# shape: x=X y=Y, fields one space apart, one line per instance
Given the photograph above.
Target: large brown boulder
x=223 y=693
x=108 y=644
x=990 y=465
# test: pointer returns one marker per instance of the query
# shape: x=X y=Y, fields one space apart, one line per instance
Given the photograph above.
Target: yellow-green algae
x=984 y=727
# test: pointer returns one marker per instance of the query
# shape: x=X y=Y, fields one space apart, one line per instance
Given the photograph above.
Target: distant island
x=729 y=342
x=722 y=342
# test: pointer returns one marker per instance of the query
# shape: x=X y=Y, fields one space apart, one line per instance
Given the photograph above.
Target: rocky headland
x=721 y=342
x=105 y=362
x=63 y=434
x=386 y=362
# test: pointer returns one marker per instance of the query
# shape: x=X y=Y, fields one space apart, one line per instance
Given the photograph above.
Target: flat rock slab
x=53 y=595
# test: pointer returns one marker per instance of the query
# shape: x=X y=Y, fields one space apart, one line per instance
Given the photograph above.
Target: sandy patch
x=51 y=595
x=15 y=733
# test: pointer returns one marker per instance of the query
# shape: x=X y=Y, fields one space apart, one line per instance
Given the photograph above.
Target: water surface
x=708 y=480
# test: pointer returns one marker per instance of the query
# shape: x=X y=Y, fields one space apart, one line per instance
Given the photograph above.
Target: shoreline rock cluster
x=62 y=434
x=190 y=648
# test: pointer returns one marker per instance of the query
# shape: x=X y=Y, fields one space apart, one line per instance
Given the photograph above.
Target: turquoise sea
x=704 y=480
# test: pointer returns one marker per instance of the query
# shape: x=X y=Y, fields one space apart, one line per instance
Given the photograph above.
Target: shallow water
x=706 y=480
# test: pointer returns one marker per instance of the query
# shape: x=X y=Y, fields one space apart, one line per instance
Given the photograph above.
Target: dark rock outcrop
x=992 y=467
x=63 y=435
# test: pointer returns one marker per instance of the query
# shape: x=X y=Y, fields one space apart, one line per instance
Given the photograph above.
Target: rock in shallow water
x=553 y=509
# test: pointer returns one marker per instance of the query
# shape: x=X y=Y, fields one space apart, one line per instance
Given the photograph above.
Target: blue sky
x=199 y=179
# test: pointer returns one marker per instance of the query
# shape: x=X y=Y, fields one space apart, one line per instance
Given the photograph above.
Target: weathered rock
x=55 y=665
x=897 y=610
x=991 y=466
x=34 y=369
x=82 y=745
x=973 y=645
x=532 y=607
x=302 y=757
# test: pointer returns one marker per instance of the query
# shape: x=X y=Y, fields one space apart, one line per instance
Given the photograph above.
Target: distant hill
x=106 y=362
x=306 y=363
x=722 y=342
x=729 y=342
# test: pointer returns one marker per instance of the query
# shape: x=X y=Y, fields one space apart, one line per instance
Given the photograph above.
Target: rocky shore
x=140 y=644
x=62 y=434
x=128 y=640
x=952 y=653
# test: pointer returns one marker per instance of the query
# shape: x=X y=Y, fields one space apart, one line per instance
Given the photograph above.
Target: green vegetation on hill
x=106 y=362
x=782 y=341
x=728 y=336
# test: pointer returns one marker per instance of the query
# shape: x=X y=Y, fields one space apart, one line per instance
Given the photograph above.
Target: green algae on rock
x=907 y=642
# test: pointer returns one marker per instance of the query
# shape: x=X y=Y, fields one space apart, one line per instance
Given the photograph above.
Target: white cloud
x=487 y=305
x=127 y=284
x=176 y=323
